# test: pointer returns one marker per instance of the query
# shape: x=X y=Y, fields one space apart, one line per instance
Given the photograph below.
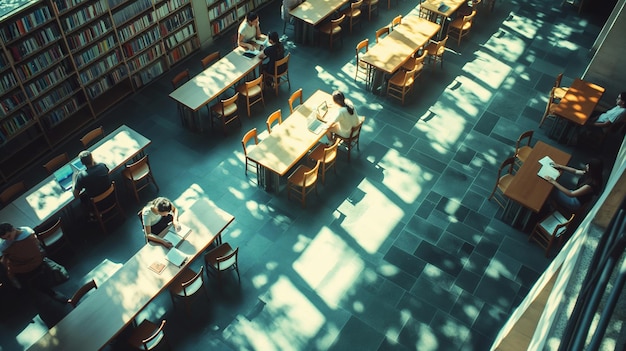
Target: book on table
x=176 y=236
x=547 y=168
x=176 y=257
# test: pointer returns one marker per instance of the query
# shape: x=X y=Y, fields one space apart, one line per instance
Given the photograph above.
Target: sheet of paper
x=182 y=232
x=548 y=171
x=176 y=257
x=546 y=161
x=172 y=237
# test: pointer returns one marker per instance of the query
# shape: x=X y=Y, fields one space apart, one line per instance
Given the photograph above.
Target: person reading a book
x=92 y=181
x=249 y=29
x=156 y=216
x=341 y=119
x=588 y=185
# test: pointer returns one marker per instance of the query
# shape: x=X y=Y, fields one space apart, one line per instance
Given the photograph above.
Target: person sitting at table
x=588 y=185
x=156 y=216
x=341 y=119
x=606 y=119
x=92 y=181
x=273 y=53
x=249 y=29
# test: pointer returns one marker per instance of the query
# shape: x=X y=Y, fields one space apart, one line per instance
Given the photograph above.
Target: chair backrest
x=209 y=59
x=409 y=77
x=275 y=116
x=50 y=235
x=355 y=132
x=381 y=32
x=91 y=136
x=355 y=7
x=229 y=101
x=81 y=292
x=527 y=136
x=282 y=62
x=336 y=22
x=297 y=94
x=251 y=134
x=105 y=198
x=363 y=46
x=310 y=177
x=330 y=152
x=469 y=18
x=255 y=82
x=56 y=162
x=557 y=82
x=180 y=78
x=9 y=194
x=419 y=61
x=509 y=162
x=229 y=260
x=192 y=285
x=397 y=20
x=441 y=46
x=556 y=224
x=155 y=338
x=142 y=163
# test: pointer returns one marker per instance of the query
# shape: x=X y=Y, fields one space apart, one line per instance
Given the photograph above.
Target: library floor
x=401 y=249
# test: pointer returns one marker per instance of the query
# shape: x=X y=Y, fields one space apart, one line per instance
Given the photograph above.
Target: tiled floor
x=400 y=250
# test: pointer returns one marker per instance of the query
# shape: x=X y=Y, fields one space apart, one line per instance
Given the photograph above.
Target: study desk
x=48 y=198
x=214 y=80
x=432 y=7
x=529 y=190
x=288 y=142
x=106 y=311
x=575 y=107
x=310 y=13
x=392 y=51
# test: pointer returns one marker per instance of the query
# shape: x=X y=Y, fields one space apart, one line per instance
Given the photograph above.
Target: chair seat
x=505 y=181
x=523 y=152
x=459 y=24
x=53 y=238
x=327 y=28
x=431 y=49
x=318 y=152
x=228 y=110
x=550 y=223
x=560 y=92
x=410 y=65
x=297 y=177
x=223 y=250
x=139 y=173
x=398 y=79
x=252 y=91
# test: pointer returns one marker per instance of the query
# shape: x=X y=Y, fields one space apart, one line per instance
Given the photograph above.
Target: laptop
x=77 y=165
x=315 y=125
x=64 y=176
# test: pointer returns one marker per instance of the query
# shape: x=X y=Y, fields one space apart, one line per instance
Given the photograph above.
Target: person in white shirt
x=156 y=216
x=248 y=30
x=341 y=119
x=611 y=116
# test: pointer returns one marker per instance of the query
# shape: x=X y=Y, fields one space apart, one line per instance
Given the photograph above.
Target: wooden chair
x=353 y=13
x=250 y=135
x=210 y=59
x=106 y=205
x=396 y=21
x=353 y=140
x=177 y=81
x=12 y=192
x=52 y=237
x=327 y=155
x=401 y=83
x=372 y=6
x=276 y=116
x=333 y=29
x=550 y=229
x=148 y=335
x=295 y=96
x=460 y=27
x=435 y=50
x=558 y=92
x=503 y=181
x=415 y=64
x=253 y=92
x=226 y=112
x=81 y=292
x=56 y=162
x=280 y=74
x=302 y=181
x=139 y=175
x=550 y=108
x=381 y=32
x=222 y=259
x=187 y=286
x=522 y=151
x=362 y=47
x=92 y=136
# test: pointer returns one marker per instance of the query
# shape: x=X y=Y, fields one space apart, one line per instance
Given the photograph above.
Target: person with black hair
x=156 y=216
x=273 y=53
x=342 y=119
x=588 y=185
x=248 y=30
x=93 y=180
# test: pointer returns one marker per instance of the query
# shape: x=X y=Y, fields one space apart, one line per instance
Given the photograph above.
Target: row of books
x=25 y=24
x=42 y=61
x=3 y=61
x=176 y=21
x=61 y=91
x=64 y=5
x=170 y=7
x=7 y=82
x=140 y=43
x=182 y=51
x=10 y=103
x=136 y=26
x=224 y=23
x=62 y=112
x=96 y=70
x=147 y=75
x=94 y=51
x=180 y=36
x=145 y=58
x=107 y=82
x=131 y=11
x=35 y=42
x=87 y=35
x=220 y=9
x=84 y=15
x=41 y=84
x=13 y=125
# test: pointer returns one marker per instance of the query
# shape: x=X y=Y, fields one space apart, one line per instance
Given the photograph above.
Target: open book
x=176 y=257
x=547 y=169
x=176 y=237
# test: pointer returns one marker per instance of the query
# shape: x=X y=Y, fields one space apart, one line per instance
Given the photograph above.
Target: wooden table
x=48 y=198
x=214 y=80
x=390 y=53
x=528 y=189
x=288 y=142
x=106 y=311
x=311 y=13
x=575 y=108
x=438 y=16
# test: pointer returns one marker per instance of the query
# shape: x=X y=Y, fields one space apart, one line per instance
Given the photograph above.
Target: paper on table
x=548 y=171
x=176 y=257
x=546 y=161
x=172 y=237
x=183 y=231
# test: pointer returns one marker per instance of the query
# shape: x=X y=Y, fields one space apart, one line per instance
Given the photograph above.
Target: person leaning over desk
x=92 y=181
x=156 y=216
x=588 y=185
x=341 y=119
x=248 y=30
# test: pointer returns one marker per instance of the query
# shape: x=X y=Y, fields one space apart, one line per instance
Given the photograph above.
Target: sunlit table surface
x=434 y=5
x=106 y=311
x=315 y=11
x=48 y=198
x=215 y=79
x=579 y=101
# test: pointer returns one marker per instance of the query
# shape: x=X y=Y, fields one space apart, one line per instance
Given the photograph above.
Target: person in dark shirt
x=92 y=181
x=273 y=53
x=588 y=185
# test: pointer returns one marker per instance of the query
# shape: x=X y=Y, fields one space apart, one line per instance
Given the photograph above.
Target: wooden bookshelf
x=63 y=63
x=227 y=14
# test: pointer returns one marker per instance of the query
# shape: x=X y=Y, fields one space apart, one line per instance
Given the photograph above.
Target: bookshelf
x=63 y=63
x=227 y=14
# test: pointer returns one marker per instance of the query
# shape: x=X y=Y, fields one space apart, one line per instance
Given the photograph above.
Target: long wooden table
x=214 y=80
x=48 y=198
x=105 y=312
x=288 y=142
x=437 y=15
x=310 y=13
x=528 y=189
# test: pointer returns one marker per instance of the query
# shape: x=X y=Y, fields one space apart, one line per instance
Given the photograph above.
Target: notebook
x=176 y=257
x=251 y=53
x=64 y=176
x=443 y=7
